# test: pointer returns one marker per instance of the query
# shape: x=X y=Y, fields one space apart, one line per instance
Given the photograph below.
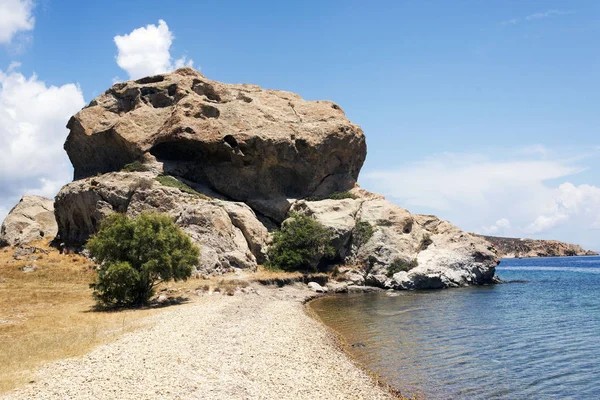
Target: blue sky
x=482 y=112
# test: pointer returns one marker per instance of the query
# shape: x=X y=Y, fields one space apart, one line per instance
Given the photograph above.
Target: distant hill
x=515 y=247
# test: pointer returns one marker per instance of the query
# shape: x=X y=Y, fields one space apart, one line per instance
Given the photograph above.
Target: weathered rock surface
x=228 y=233
x=247 y=143
x=257 y=154
x=30 y=220
x=445 y=255
x=514 y=247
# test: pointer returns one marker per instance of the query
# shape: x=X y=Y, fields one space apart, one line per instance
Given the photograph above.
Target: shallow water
x=534 y=340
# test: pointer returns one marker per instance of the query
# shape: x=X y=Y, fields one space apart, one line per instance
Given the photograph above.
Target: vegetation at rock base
x=399 y=265
x=167 y=180
x=341 y=195
x=425 y=242
x=136 y=254
x=363 y=231
x=333 y=196
x=135 y=166
x=300 y=245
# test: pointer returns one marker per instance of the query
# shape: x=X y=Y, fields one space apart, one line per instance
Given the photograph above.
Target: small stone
x=316 y=287
x=29 y=268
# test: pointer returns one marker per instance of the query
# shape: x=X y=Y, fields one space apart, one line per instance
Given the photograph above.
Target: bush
x=341 y=195
x=363 y=231
x=167 y=180
x=300 y=245
x=137 y=254
x=425 y=242
x=333 y=196
x=135 y=166
x=401 y=265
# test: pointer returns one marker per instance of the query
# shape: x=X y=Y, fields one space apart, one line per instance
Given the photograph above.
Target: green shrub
x=135 y=166
x=425 y=242
x=341 y=195
x=401 y=265
x=333 y=196
x=167 y=180
x=300 y=245
x=363 y=231
x=137 y=254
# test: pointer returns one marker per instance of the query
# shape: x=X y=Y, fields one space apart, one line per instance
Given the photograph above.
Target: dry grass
x=47 y=314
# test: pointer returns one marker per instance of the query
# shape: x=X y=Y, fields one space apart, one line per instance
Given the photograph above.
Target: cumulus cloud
x=146 y=51
x=511 y=196
x=33 y=116
x=501 y=224
x=15 y=16
x=570 y=203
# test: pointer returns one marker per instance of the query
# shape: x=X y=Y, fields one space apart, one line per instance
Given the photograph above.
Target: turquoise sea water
x=533 y=340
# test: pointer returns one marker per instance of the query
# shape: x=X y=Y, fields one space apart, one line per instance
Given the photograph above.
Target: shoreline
x=263 y=344
x=340 y=342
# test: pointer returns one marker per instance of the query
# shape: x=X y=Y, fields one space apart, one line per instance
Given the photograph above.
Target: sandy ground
x=249 y=346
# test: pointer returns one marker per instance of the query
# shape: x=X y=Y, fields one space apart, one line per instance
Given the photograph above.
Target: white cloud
x=536 y=16
x=502 y=223
x=146 y=51
x=545 y=14
x=511 y=21
x=570 y=203
x=511 y=196
x=15 y=16
x=32 y=132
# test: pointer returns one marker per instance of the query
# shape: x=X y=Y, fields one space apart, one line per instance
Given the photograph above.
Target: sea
x=535 y=337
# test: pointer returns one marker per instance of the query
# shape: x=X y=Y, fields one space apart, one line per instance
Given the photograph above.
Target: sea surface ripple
x=538 y=339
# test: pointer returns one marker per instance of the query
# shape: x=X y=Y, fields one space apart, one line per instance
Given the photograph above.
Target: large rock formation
x=251 y=156
x=375 y=234
x=30 y=220
x=249 y=144
x=514 y=247
x=228 y=233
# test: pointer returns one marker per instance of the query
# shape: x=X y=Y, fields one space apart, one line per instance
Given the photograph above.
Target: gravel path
x=250 y=346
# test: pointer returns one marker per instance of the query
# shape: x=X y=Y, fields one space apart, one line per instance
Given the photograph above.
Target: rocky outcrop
x=228 y=233
x=394 y=249
x=514 y=248
x=251 y=156
x=249 y=144
x=30 y=220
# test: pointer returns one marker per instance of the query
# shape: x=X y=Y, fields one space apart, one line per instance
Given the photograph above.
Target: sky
x=485 y=113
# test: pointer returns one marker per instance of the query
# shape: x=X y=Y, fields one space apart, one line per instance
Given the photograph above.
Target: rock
x=22 y=251
x=30 y=220
x=228 y=234
x=254 y=155
x=354 y=277
x=337 y=287
x=337 y=215
x=246 y=143
x=317 y=288
x=162 y=299
x=514 y=247
x=375 y=234
x=29 y=268
x=362 y=289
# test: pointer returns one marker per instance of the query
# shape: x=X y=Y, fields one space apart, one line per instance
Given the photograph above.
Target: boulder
x=316 y=287
x=337 y=215
x=30 y=220
x=249 y=144
x=228 y=234
x=378 y=237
